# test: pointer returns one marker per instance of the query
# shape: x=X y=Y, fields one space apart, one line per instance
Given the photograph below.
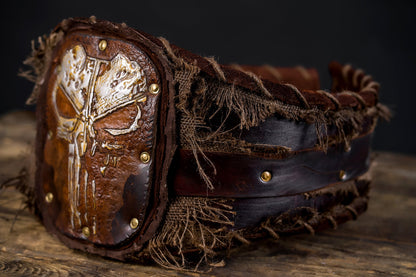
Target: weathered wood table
x=382 y=242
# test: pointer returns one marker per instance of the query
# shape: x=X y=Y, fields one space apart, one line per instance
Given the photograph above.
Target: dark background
x=377 y=36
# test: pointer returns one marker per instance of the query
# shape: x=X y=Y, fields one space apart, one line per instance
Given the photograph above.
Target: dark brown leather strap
x=238 y=176
x=297 y=136
x=251 y=211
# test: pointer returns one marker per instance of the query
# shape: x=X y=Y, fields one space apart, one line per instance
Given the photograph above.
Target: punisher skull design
x=100 y=114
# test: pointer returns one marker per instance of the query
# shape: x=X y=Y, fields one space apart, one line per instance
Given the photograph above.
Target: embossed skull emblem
x=97 y=104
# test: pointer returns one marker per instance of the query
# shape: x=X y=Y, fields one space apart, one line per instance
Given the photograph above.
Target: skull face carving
x=119 y=85
x=100 y=123
x=75 y=75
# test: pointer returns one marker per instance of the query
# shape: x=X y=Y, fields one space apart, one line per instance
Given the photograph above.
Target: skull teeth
x=102 y=170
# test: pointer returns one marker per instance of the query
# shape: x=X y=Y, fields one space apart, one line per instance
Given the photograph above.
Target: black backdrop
x=377 y=36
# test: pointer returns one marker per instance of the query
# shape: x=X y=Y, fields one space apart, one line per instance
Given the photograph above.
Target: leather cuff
x=144 y=148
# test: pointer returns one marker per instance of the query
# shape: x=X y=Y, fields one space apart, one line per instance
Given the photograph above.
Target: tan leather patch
x=99 y=119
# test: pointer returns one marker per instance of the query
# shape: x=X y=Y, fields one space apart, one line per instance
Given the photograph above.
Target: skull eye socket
x=122 y=118
x=64 y=106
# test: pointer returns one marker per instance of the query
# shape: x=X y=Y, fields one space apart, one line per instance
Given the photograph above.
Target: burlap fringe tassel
x=39 y=61
x=194 y=229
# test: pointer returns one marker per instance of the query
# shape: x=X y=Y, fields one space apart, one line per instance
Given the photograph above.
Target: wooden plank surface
x=382 y=242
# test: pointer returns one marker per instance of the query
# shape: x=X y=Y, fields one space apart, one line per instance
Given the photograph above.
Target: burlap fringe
x=193 y=230
x=24 y=182
x=39 y=61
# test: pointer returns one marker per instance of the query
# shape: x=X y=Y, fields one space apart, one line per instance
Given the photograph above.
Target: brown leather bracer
x=145 y=149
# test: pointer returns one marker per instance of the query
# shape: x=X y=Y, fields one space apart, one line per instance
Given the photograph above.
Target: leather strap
x=238 y=176
x=297 y=136
x=251 y=211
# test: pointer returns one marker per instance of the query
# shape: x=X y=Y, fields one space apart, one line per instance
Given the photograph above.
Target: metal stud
x=49 y=197
x=342 y=175
x=49 y=135
x=102 y=45
x=86 y=231
x=145 y=157
x=266 y=176
x=134 y=223
x=154 y=88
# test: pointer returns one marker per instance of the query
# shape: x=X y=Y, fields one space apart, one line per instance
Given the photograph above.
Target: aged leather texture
x=96 y=117
x=238 y=176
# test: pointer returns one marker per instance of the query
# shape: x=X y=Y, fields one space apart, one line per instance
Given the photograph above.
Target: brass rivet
x=86 y=231
x=134 y=223
x=145 y=157
x=49 y=135
x=102 y=45
x=342 y=175
x=266 y=176
x=154 y=88
x=49 y=197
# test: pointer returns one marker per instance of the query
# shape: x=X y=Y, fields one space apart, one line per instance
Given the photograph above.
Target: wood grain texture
x=382 y=242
